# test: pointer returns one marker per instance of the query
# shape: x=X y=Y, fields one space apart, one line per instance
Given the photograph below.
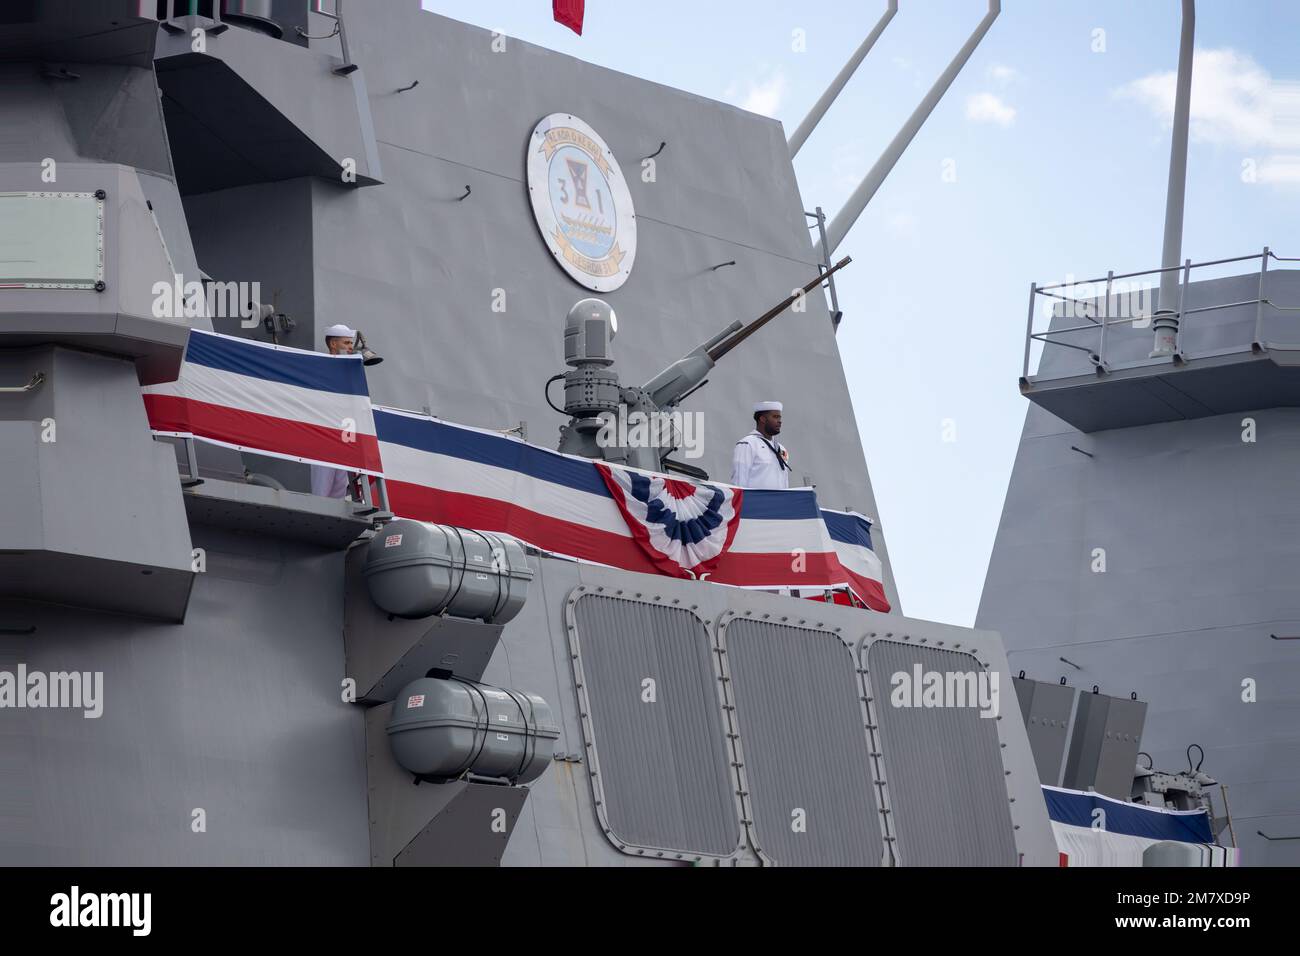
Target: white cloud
x=765 y=96
x=989 y=108
x=1235 y=102
x=1003 y=75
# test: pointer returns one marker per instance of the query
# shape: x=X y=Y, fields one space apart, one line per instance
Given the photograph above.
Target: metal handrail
x=1152 y=272
x=1069 y=345
x=1066 y=298
x=1073 y=328
x=340 y=29
x=1098 y=355
x=35 y=382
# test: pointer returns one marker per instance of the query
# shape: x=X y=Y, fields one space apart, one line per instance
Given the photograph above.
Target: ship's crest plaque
x=581 y=202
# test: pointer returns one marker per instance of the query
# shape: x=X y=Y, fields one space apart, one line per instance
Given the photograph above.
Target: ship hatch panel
x=943 y=764
x=800 y=715
x=655 y=728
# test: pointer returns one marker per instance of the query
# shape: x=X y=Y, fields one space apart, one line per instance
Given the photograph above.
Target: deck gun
x=638 y=426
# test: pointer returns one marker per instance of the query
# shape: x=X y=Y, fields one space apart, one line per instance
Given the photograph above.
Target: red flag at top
x=569 y=13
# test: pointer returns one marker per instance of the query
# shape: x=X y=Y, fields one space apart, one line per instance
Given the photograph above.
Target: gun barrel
x=715 y=349
x=733 y=327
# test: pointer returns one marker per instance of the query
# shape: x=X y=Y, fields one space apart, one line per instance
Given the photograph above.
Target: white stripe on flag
x=462 y=476
x=859 y=560
x=759 y=536
x=202 y=383
x=599 y=512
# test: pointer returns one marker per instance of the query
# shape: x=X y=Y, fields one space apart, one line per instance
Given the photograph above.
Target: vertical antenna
x=1166 y=318
x=822 y=105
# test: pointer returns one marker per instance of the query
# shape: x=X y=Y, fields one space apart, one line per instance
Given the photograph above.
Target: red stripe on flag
x=569 y=13
x=281 y=436
x=744 y=569
x=491 y=514
x=871 y=592
x=823 y=569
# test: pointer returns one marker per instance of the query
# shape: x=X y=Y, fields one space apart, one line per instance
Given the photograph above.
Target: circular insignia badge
x=581 y=202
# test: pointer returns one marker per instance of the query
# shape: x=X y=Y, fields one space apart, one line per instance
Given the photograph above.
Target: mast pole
x=822 y=105
x=847 y=216
x=1166 y=318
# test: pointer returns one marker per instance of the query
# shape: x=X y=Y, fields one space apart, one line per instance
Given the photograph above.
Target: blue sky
x=1061 y=154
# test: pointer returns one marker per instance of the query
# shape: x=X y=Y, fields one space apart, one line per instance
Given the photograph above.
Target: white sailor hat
x=767 y=407
x=340 y=332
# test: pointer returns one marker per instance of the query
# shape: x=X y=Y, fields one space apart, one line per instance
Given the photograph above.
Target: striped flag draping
x=453 y=474
x=269 y=399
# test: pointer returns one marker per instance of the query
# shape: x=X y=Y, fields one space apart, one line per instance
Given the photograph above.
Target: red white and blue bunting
x=683 y=527
x=315 y=408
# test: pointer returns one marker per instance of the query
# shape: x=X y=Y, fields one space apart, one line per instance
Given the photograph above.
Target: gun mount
x=635 y=425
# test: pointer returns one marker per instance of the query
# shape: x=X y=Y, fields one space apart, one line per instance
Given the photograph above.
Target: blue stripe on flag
x=324 y=373
x=1073 y=807
x=848 y=529
x=441 y=438
x=778 y=505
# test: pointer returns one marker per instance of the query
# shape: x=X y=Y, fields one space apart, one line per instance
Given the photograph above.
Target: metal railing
x=32 y=383
x=340 y=30
x=1100 y=319
x=365 y=502
x=824 y=267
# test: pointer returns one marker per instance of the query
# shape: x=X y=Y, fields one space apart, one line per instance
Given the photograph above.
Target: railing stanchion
x=191 y=464
x=382 y=486
x=1182 y=296
x=1105 y=320
x=1029 y=327
x=343 y=37
x=1259 y=306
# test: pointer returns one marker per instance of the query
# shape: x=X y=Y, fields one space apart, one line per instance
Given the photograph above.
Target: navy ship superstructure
x=232 y=670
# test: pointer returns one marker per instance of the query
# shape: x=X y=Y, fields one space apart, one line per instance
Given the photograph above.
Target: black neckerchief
x=785 y=466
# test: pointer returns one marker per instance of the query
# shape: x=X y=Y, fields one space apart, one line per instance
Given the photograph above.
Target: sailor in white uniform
x=759 y=460
x=331 y=482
